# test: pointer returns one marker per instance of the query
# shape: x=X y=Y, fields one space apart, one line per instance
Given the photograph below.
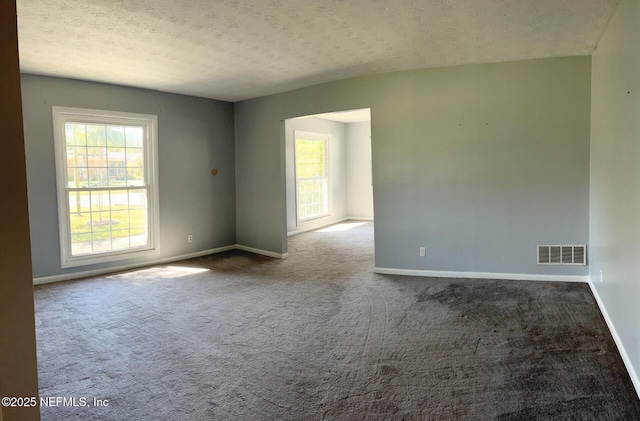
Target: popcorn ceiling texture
x=240 y=49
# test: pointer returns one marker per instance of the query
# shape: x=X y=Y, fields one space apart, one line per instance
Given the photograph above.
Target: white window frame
x=327 y=146
x=63 y=115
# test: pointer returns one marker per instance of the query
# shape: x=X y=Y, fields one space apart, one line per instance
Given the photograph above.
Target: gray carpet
x=319 y=336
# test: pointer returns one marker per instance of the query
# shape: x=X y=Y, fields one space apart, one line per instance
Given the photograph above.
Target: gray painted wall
x=615 y=176
x=478 y=163
x=338 y=166
x=359 y=183
x=194 y=136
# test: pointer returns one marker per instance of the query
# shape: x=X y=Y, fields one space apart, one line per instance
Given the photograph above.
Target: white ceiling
x=239 y=49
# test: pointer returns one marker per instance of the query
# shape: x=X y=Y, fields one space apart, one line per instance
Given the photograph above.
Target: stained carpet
x=235 y=336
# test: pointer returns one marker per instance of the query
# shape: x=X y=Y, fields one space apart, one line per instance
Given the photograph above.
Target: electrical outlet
x=423 y=251
x=600 y=275
x=190 y=238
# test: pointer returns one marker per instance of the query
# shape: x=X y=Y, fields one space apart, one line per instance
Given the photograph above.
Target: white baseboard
x=481 y=275
x=300 y=231
x=112 y=269
x=360 y=218
x=616 y=338
x=262 y=252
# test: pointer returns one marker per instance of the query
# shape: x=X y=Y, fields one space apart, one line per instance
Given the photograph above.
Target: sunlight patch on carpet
x=345 y=226
x=165 y=272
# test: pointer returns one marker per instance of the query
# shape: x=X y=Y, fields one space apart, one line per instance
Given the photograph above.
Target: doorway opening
x=328 y=169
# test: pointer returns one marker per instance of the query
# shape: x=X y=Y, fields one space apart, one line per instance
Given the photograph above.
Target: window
x=312 y=175
x=106 y=168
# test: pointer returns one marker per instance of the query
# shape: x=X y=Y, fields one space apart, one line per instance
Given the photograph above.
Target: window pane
x=137 y=198
x=134 y=157
x=112 y=172
x=310 y=158
x=81 y=224
x=115 y=136
x=139 y=238
x=76 y=156
x=75 y=134
x=313 y=197
x=96 y=156
x=119 y=200
x=311 y=176
x=101 y=242
x=96 y=135
x=100 y=201
x=76 y=177
x=76 y=166
x=108 y=221
x=138 y=217
x=137 y=208
x=120 y=239
x=81 y=244
x=134 y=136
x=79 y=202
x=100 y=221
x=97 y=177
x=120 y=218
x=116 y=163
x=134 y=177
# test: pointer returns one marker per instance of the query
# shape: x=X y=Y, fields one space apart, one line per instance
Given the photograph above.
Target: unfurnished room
x=320 y=210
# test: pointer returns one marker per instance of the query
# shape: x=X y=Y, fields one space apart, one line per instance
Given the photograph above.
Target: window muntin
x=312 y=175
x=107 y=184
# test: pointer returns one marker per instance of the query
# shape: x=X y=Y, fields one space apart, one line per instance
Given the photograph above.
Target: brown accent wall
x=18 y=368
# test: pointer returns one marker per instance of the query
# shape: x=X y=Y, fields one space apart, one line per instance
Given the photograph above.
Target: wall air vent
x=562 y=255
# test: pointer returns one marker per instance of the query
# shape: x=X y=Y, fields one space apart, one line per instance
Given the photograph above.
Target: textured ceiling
x=239 y=49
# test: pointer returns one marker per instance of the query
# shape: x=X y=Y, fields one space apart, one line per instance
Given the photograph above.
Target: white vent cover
x=562 y=255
